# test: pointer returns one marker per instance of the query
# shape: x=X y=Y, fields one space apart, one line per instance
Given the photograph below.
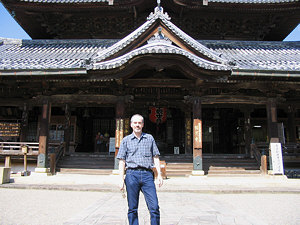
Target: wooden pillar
x=43 y=138
x=272 y=119
x=67 y=129
x=24 y=123
x=188 y=133
x=197 y=137
x=247 y=131
x=120 y=111
x=291 y=124
x=272 y=126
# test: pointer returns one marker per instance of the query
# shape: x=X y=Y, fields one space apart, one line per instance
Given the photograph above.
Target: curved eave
x=178 y=2
x=46 y=72
x=158 y=48
x=189 y=3
x=265 y=73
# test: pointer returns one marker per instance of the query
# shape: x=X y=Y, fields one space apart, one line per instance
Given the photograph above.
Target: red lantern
x=158 y=115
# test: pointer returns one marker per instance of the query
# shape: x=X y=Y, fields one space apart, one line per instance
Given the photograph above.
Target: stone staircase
x=230 y=165
x=213 y=165
x=177 y=165
x=86 y=163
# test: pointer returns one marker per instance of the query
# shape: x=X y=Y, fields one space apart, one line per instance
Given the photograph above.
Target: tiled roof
x=216 y=1
x=48 y=54
x=256 y=55
x=68 y=54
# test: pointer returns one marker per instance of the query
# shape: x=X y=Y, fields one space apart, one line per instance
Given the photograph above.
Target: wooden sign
x=188 y=132
x=9 y=129
x=197 y=134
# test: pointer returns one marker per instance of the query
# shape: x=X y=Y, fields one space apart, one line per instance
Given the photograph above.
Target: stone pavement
x=183 y=200
x=197 y=184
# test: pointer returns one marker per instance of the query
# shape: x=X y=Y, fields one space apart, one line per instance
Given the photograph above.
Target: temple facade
x=212 y=97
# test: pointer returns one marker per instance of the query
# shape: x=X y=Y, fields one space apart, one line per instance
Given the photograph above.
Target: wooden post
x=272 y=125
x=43 y=138
x=272 y=119
x=120 y=110
x=188 y=133
x=24 y=123
x=263 y=167
x=291 y=124
x=7 y=161
x=67 y=129
x=248 y=132
x=52 y=163
x=197 y=137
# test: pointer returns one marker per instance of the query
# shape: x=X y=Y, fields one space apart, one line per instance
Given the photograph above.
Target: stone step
x=233 y=172
x=85 y=166
x=234 y=175
x=211 y=168
x=85 y=171
x=179 y=166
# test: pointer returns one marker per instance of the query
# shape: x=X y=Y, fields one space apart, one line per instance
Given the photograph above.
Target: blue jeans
x=136 y=181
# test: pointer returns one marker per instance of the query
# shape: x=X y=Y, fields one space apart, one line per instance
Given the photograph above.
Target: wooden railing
x=24 y=149
x=291 y=149
x=256 y=153
x=15 y=148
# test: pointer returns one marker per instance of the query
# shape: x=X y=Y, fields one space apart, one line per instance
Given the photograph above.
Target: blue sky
x=9 y=28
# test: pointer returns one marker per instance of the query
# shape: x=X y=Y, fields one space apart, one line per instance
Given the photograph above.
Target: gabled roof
x=162 y=37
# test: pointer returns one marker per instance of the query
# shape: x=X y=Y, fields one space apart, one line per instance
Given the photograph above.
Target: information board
x=9 y=129
x=112 y=142
x=277 y=162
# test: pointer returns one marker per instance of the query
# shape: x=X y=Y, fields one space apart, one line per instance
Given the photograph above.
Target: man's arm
x=157 y=167
x=121 y=172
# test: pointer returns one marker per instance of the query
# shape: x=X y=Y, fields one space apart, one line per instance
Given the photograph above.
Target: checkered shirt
x=138 y=152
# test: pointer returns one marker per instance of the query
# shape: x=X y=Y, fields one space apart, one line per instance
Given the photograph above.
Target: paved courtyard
x=54 y=207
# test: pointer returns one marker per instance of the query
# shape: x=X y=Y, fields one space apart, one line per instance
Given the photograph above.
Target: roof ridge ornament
x=159 y=37
x=158 y=13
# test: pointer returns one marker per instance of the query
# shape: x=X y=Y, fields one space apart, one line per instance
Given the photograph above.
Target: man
x=137 y=153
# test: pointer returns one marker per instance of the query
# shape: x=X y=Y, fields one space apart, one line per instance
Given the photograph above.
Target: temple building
x=213 y=80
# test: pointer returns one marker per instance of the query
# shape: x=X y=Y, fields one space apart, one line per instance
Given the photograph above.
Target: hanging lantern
x=158 y=115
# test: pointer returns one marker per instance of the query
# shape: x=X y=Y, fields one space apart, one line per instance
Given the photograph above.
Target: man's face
x=137 y=124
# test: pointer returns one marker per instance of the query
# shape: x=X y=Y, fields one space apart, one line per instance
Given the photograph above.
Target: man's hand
x=157 y=167
x=122 y=185
x=121 y=174
x=160 y=180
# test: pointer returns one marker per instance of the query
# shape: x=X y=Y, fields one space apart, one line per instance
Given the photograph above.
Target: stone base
x=25 y=173
x=4 y=175
x=42 y=171
x=115 y=172
x=197 y=173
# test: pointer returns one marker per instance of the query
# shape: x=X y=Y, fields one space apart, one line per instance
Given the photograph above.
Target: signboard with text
x=8 y=129
x=277 y=162
x=112 y=145
x=197 y=134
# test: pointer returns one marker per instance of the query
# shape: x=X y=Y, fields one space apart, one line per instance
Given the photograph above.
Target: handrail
x=59 y=152
x=55 y=152
x=256 y=153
